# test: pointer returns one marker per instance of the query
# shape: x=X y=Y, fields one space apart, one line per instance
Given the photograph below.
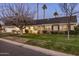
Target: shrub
x=54 y=32
x=65 y=32
x=38 y=32
x=77 y=29
x=13 y=31
x=61 y=32
x=26 y=31
x=72 y=32
x=45 y=32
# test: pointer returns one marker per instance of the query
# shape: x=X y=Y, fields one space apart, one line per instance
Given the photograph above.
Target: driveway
x=7 y=49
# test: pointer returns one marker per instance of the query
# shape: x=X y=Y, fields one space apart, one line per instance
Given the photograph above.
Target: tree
x=0 y=27
x=77 y=29
x=69 y=10
x=55 y=14
x=18 y=15
x=44 y=8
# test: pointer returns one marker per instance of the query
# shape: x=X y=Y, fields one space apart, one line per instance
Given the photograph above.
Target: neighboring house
x=7 y=28
x=10 y=29
x=50 y=24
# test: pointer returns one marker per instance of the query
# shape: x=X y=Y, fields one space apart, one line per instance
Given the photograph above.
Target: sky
x=51 y=8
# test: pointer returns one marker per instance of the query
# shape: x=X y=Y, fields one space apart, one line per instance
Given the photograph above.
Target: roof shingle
x=56 y=20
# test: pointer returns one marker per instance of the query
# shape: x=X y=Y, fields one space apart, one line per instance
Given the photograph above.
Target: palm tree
x=44 y=8
x=55 y=14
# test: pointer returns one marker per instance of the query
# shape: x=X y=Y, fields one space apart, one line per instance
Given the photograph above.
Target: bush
x=14 y=31
x=77 y=30
x=26 y=31
x=56 y=32
x=61 y=32
x=64 y=32
x=71 y=32
x=38 y=32
x=45 y=32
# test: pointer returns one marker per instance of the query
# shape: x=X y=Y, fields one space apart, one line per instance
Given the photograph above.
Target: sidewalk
x=42 y=50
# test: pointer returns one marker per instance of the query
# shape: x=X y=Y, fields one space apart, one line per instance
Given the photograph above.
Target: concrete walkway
x=34 y=48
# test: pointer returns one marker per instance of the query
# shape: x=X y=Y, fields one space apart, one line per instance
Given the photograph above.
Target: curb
x=39 y=49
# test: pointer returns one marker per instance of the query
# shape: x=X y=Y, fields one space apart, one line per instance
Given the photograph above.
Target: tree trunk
x=69 y=27
x=44 y=15
x=21 y=31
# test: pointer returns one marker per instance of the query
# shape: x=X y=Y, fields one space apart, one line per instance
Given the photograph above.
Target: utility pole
x=37 y=10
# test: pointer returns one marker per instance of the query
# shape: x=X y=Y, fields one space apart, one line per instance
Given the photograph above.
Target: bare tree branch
x=18 y=14
x=69 y=10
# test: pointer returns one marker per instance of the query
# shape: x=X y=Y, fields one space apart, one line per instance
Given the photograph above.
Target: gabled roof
x=56 y=20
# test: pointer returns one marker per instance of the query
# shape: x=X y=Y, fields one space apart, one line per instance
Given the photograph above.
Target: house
x=52 y=24
x=57 y=24
x=7 y=28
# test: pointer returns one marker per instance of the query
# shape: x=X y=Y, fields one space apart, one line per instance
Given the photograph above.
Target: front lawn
x=57 y=42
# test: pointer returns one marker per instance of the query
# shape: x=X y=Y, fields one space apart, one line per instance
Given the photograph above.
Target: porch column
x=58 y=28
x=52 y=27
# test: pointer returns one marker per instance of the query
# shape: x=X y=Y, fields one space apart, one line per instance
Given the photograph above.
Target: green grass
x=57 y=42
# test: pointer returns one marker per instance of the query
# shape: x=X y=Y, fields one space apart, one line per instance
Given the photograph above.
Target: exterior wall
x=63 y=28
x=39 y=28
x=73 y=27
x=9 y=29
x=49 y=27
x=55 y=27
x=32 y=29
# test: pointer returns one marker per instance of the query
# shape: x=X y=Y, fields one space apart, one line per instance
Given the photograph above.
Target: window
x=63 y=28
x=72 y=27
x=48 y=27
x=55 y=28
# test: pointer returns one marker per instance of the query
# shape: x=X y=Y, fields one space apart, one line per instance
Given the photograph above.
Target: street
x=7 y=49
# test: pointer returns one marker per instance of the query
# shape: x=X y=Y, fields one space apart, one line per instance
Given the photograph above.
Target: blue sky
x=51 y=8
